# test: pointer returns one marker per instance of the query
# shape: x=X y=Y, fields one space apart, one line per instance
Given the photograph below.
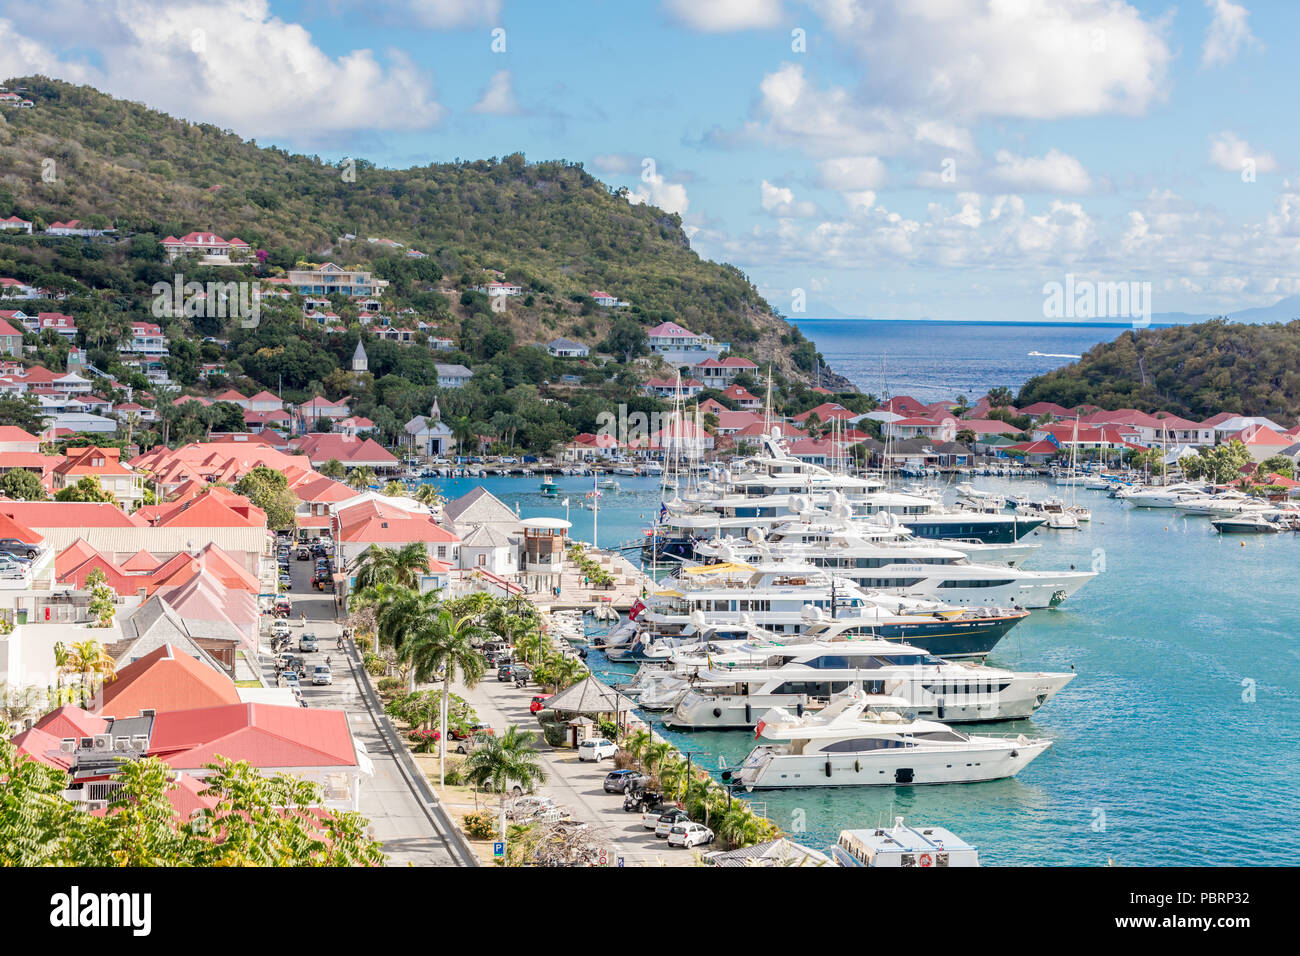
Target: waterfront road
x=574 y=785
x=412 y=831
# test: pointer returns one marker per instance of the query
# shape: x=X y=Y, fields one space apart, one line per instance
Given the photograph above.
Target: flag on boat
x=566 y=502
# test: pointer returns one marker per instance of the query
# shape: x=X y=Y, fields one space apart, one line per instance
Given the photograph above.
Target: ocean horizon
x=895 y=356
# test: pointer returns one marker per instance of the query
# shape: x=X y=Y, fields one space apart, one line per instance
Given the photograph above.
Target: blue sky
x=901 y=160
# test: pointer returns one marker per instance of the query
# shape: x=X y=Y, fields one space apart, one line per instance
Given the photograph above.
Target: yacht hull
x=995 y=760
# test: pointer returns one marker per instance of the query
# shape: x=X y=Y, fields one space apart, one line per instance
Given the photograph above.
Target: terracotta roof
x=165 y=680
x=265 y=735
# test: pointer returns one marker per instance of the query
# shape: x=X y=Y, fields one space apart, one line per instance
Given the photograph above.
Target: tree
x=1277 y=464
x=102 y=605
x=443 y=643
x=93 y=664
x=17 y=704
x=966 y=436
x=627 y=338
x=333 y=469
x=360 y=478
x=428 y=494
x=395 y=489
x=505 y=761
x=256 y=820
x=999 y=397
x=269 y=490
x=87 y=488
x=400 y=566
x=22 y=485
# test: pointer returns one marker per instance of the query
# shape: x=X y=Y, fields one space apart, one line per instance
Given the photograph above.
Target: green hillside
x=550 y=226
x=1193 y=370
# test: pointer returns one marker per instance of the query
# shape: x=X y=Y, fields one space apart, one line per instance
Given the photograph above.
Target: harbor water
x=1176 y=744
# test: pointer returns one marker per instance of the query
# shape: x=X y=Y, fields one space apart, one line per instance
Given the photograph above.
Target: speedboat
x=847 y=745
x=1258 y=522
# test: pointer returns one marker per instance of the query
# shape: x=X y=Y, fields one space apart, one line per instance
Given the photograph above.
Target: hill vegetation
x=1192 y=370
x=550 y=226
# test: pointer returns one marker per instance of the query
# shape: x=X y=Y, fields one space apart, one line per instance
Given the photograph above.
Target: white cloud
x=1019 y=58
x=431 y=14
x=780 y=202
x=1232 y=154
x=233 y=64
x=616 y=163
x=719 y=16
x=657 y=191
x=1227 y=34
x=498 y=97
x=851 y=173
x=1055 y=172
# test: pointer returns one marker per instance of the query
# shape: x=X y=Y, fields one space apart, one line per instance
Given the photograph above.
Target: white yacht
x=846 y=745
x=786 y=598
x=1272 y=521
x=806 y=676
x=911 y=569
x=975 y=499
x=1222 y=504
x=1161 y=496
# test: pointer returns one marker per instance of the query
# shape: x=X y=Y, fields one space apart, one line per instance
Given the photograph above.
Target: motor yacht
x=730 y=694
x=846 y=744
x=1161 y=496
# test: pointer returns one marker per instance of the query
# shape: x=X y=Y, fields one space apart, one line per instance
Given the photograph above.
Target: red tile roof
x=166 y=680
x=265 y=735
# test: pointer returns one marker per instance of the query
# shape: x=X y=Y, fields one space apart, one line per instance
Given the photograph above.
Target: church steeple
x=359 y=361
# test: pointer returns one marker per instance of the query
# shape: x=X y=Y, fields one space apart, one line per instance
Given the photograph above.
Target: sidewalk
x=574 y=785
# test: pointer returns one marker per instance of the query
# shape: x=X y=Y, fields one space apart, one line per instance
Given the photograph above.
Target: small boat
x=549 y=488
x=900 y=846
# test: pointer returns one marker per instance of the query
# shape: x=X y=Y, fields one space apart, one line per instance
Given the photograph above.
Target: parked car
x=621 y=781
x=506 y=672
x=280 y=628
x=471 y=731
x=304 y=554
x=669 y=819
x=322 y=675
x=597 y=749
x=537 y=704
x=19 y=547
x=644 y=801
x=307 y=643
x=689 y=834
x=290 y=679
x=471 y=743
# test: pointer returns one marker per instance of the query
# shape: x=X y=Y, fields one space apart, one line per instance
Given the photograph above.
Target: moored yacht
x=847 y=745
x=806 y=676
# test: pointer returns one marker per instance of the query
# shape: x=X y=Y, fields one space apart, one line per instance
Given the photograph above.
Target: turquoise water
x=1157 y=759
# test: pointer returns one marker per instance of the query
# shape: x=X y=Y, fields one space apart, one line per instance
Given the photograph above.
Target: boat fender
x=857 y=766
x=726 y=775
x=717 y=711
x=749 y=714
x=1015 y=754
x=828 y=768
x=798 y=709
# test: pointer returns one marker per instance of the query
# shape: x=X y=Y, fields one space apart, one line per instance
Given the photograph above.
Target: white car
x=597 y=750
x=689 y=834
x=663 y=821
x=321 y=675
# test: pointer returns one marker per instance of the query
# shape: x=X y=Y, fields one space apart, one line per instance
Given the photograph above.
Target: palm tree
x=401 y=566
x=360 y=478
x=656 y=755
x=441 y=642
x=504 y=762
x=429 y=495
x=568 y=671
x=637 y=744
x=62 y=666
x=395 y=489
x=89 y=659
x=402 y=610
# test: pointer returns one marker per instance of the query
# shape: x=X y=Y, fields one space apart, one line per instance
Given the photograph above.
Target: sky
x=946 y=159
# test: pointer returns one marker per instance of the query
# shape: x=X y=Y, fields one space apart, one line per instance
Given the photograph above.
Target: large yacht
x=787 y=598
x=1161 y=496
x=775 y=486
x=728 y=695
x=850 y=550
x=847 y=745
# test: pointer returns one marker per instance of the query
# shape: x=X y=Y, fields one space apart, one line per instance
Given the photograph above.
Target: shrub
x=455 y=775
x=389 y=685
x=555 y=734
x=375 y=665
x=481 y=825
x=424 y=741
x=364 y=644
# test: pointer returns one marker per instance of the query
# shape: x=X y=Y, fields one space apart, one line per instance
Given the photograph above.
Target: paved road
x=575 y=785
x=397 y=815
